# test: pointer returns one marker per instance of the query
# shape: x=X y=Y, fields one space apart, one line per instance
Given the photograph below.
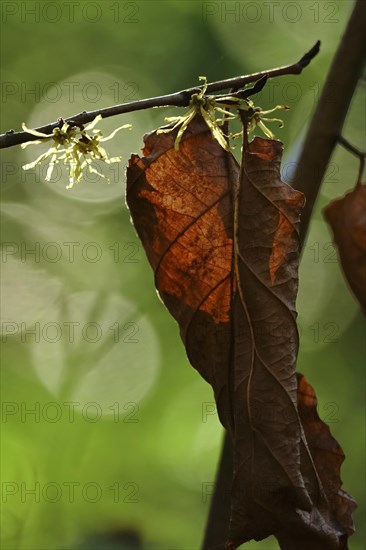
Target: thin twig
x=358 y=153
x=351 y=148
x=178 y=99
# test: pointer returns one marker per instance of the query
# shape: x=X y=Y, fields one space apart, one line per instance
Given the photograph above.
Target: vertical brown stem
x=327 y=122
x=219 y=515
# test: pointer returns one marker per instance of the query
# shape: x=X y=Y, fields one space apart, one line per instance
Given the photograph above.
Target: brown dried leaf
x=223 y=243
x=328 y=456
x=347 y=218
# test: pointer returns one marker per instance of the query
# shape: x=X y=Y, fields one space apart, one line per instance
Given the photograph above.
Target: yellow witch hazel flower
x=257 y=119
x=75 y=147
x=209 y=106
x=206 y=106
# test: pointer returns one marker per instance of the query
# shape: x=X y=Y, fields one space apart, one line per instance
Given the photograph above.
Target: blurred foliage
x=124 y=436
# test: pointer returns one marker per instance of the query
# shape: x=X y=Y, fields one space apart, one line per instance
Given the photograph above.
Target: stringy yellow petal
x=35 y=132
x=111 y=136
x=93 y=123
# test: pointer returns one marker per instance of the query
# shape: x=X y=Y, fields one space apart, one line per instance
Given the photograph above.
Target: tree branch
x=322 y=136
x=327 y=122
x=178 y=99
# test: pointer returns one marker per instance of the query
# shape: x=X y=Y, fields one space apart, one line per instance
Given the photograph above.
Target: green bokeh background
x=142 y=446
